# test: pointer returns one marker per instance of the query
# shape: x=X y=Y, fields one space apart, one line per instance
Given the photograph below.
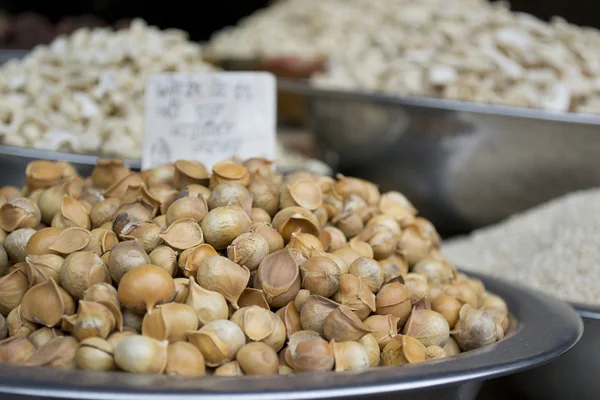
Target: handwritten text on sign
x=209 y=117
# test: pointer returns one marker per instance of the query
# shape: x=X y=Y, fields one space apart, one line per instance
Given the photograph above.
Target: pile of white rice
x=554 y=247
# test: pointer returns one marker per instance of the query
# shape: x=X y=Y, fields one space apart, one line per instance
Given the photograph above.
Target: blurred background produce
x=71 y=97
x=84 y=94
x=470 y=50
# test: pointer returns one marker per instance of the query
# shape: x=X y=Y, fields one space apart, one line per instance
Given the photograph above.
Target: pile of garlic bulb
x=85 y=93
x=234 y=271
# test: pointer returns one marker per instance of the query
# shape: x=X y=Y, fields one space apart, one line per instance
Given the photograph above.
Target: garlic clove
x=476 y=328
x=394 y=298
x=350 y=356
x=403 y=350
x=253 y=297
x=72 y=214
x=104 y=211
x=385 y=328
x=229 y=369
x=228 y=171
x=144 y=287
x=320 y=275
x=141 y=354
x=43 y=335
x=435 y=353
x=258 y=359
x=343 y=325
x=19 y=213
x=145 y=233
x=75 y=239
x=429 y=327
x=92 y=320
x=313 y=355
x=164 y=257
x=184 y=359
x=17 y=325
x=190 y=259
x=356 y=294
x=108 y=171
x=124 y=257
x=223 y=224
x=46 y=303
x=374 y=352
x=41 y=241
x=106 y=238
x=189 y=172
x=183 y=234
x=290 y=316
x=118 y=189
x=218 y=341
x=222 y=275
x=230 y=194
x=170 y=322
x=305 y=193
x=163 y=174
x=248 y=249
x=265 y=195
x=43 y=174
x=260 y=325
x=80 y=270
x=314 y=312
x=279 y=278
x=146 y=198
x=369 y=270
x=95 y=354
x=16 y=350
x=43 y=268
x=182 y=289
x=186 y=207
x=106 y=294
x=12 y=290
x=270 y=234
x=208 y=305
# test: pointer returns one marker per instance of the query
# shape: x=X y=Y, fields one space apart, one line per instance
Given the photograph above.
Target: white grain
x=554 y=247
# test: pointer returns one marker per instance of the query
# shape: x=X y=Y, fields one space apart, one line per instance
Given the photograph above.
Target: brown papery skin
x=227 y=269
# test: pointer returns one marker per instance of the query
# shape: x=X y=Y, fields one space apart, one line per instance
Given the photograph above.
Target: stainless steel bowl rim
x=546 y=329
x=587 y=310
x=87 y=159
x=82 y=159
x=301 y=86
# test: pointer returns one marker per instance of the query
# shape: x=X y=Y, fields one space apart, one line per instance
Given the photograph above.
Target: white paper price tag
x=209 y=117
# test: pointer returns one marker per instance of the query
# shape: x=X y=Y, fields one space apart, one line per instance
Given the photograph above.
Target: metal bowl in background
x=7 y=55
x=542 y=329
x=463 y=165
x=14 y=160
x=572 y=376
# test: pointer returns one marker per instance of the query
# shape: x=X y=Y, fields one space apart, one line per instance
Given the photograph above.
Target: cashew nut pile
x=469 y=50
x=85 y=93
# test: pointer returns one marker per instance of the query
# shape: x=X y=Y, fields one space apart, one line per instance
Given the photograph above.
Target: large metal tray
x=464 y=165
x=546 y=329
x=572 y=376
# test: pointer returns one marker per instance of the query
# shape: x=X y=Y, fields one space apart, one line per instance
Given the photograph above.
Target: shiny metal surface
x=546 y=329
x=464 y=165
x=13 y=161
x=571 y=376
x=6 y=55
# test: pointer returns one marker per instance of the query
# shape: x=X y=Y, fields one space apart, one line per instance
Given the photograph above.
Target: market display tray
x=542 y=329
